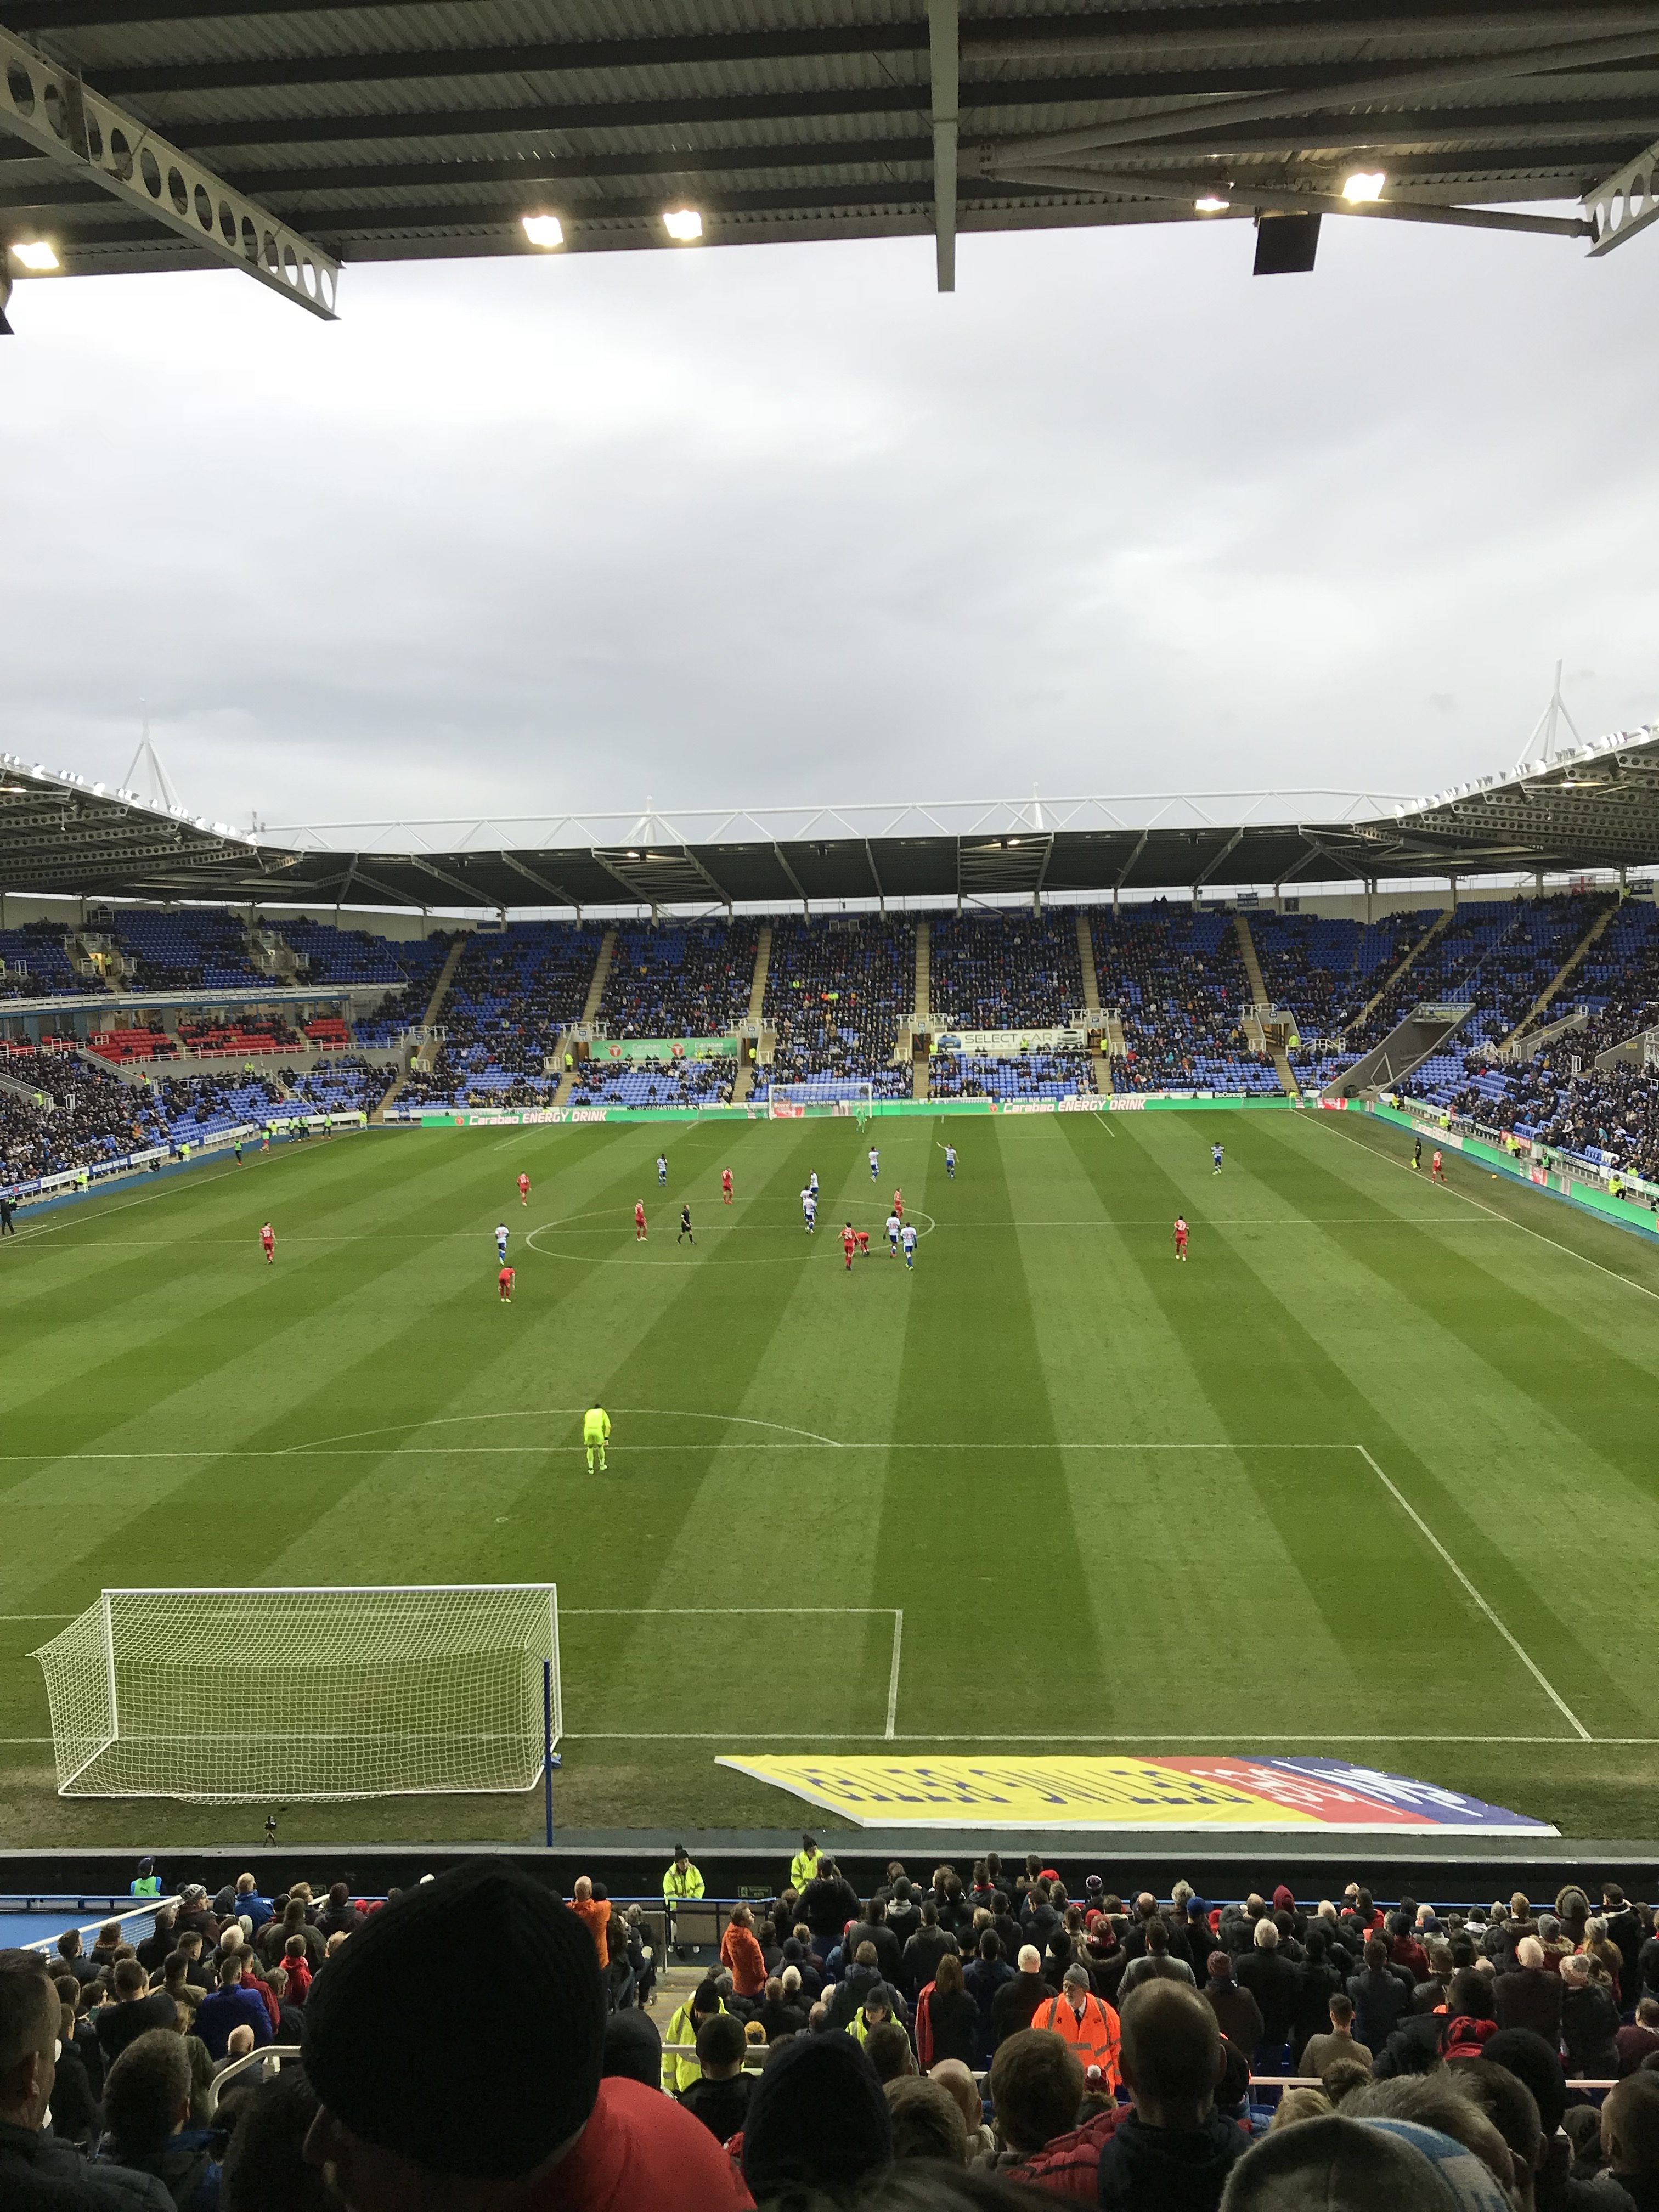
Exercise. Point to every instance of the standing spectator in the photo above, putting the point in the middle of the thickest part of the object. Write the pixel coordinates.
(988, 1974)
(1090, 2027)
(1641, 2040)
(157, 1946)
(39, 2172)
(595, 1913)
(264, 2168)
(1379, 1998)
(742, 1957)
(928, 2122)
(1017, 1999)
(1627, 1927)
(719, 2096)
(339, 1916)
(827, 1904)
(233, 2004)
(73, 1961)
(1322, 2050)
(684, 2025)
(1155, 1962)
(1276, 1984)
(524, 2012)
(1589, 2022)
(903, 1913)
(818, 2119)
(873, 1929)
(779, 2014)
(136, 2010)
(1036, 2086)
(1530, 1995)
(925, 1949)
(290, 2023)
(250, 1905)
(1237, 2014)
(947, 2018)
(297, 1966)
(147, 2123)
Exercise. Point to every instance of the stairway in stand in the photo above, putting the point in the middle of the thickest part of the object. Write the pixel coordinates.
(1100, 1062)
(922, 1024)
(1568, 967)
(590, 1012)
(743, 1082)
(429, 1019)
(1282, 1068)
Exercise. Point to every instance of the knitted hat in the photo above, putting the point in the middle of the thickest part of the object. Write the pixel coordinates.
(633, 2047)
(818, 2116)
(1534, 2060)
(1321, 2165)
(518, 1969)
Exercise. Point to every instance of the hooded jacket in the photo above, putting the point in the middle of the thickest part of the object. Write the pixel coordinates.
(1177, 2169)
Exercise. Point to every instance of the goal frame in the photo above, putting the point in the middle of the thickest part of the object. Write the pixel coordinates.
(104, 1734)
(850, 1096)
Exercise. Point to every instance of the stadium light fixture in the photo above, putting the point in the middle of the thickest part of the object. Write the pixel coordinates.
(1364, 184)
(37, 255)
(1211, 203)
(543, 230)
(682, 224)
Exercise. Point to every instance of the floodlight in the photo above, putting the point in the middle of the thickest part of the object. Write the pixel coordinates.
(1211, 203)
(682, 224)
(34, 254)
(545, 230)
(1364, 184)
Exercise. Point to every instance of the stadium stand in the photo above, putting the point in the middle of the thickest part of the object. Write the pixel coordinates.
(512, 995)
(1003, 971)
(679, 980)
(822, 2039)
(1035, 1074)
(36, 965)
(836, 996)
(1178, 978)
(653, 1082)
(344, 1085)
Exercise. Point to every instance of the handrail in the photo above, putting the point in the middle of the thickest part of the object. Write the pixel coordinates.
(276, 2051)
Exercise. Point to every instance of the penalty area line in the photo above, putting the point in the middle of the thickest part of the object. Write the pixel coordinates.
(1514, 1643)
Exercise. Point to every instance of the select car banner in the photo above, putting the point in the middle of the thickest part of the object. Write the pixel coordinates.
(1106, 1794)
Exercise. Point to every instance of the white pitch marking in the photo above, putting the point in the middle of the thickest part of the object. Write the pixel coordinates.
(893, 1673)
(1520, 1651)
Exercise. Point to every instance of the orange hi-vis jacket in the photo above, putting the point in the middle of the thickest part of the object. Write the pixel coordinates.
(1092, 2033)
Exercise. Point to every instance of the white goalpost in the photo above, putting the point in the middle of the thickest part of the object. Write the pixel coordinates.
(223, 1696)
(841, 1094)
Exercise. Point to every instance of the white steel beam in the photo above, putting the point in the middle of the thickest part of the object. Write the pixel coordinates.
(1623, 203)
(48, 107)
(944, 58)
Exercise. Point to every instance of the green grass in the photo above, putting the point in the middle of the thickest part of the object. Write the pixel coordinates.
(1123, 1503)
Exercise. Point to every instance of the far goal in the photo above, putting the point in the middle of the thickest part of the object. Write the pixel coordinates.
(227, 1696)
(844, 1095)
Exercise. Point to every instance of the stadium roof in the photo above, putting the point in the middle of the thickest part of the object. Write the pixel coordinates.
(1593, 807)
(161, 134)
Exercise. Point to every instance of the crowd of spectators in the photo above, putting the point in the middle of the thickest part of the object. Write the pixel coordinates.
(688, 1082)
(982, 2041)
(512, 992)
(680, 980)
(1176, 977)
(1042, 1073)
(1005, 970)
(835, 995)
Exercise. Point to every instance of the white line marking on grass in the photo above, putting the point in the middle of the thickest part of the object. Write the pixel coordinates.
(558, 1412)
(1629, 1281)
(893, 1671)
(1231, 1739)
(702, 1612)
(37, 1616)
(1521, 1653)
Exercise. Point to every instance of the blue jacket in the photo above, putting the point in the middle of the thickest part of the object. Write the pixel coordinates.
(232, 2007)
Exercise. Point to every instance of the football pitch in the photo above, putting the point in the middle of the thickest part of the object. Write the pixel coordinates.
(1372, 1472)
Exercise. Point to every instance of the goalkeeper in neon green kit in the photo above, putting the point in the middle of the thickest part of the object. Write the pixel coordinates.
(596, 1427)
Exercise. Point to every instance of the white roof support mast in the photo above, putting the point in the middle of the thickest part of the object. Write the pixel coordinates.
(47, 106)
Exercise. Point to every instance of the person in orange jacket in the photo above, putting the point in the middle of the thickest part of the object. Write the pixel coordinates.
(593, 1912)
(741, 1954)
(1084, 2022)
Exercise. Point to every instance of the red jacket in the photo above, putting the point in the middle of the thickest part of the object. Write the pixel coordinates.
(741, 1953)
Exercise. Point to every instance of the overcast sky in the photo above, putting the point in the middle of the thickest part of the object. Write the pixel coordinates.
(782, 523)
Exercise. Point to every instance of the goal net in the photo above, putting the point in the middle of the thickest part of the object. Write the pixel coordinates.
(228, 1695)
(843, 1095)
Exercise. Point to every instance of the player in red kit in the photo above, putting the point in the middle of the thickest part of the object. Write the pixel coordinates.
(849, 1244)
(1180, 1237)
(268, 1239)
(639, 1223)
(523, 1190)
(898, 1203)
(726, 1185)
(1436, 1169)
(505, 1279)
(863, 1238)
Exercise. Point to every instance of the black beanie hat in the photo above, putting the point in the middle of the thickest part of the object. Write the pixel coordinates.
(633, 2047)
(1536, 2063)
(488, 2079)
(817, 2115)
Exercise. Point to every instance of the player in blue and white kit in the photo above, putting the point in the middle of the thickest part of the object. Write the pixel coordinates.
(875, 1163)
(500, 1242)
(1215, 1156)
(809, 1206)
(893, 1235)
(909, 1243)
(812, 1183)
(662, 1171)
(950, 1162)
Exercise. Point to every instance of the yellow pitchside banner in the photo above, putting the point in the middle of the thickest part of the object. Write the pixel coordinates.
(1254, 1792)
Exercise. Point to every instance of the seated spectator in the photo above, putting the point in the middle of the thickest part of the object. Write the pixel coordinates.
(818, 2118)
(234, 2003)
(1173, 2148)
(926, 2121)
(1036, 2086)
(524, 2001)
(147, 2121)
(137, 2009)
(720, 2097)
(40, 2172)
(1321, 2050)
